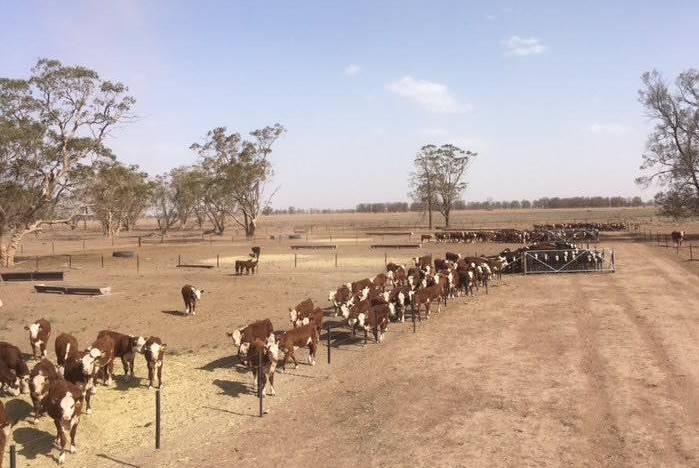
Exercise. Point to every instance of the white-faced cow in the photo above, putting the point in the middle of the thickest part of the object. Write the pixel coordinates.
(73, 373)
(66, 346)
(39, 333)
(153, 351)
(64, 403)
(6, 425)
(269, 351)
(125, 347)
(191, 296)
(375, 319)
(99, 358)
(14, 362)
(40, 378)
(299, 337)
(339, 297)
(242, 337)
(303, 309)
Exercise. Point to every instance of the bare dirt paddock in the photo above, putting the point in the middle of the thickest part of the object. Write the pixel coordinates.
(569, 370)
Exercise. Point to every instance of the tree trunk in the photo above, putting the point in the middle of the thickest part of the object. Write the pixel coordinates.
(8, 247)
(446, 217)
(250, 229)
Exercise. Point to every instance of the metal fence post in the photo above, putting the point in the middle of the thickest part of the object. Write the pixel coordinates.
(13, 456)
(329, 343)
(138, 264)
(295, 261)
(179, 259)
(218, 261)
(157, 418)
(102, 260)
(335, 260)
(260, 389)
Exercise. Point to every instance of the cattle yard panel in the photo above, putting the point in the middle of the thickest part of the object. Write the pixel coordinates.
(562, 261)
(567, 235)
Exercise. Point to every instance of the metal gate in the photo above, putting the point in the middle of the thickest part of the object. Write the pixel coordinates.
(562, 261)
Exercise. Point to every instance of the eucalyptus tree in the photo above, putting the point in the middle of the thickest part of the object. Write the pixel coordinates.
(52, 126)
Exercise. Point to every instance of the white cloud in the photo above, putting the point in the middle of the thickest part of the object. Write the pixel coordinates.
(609, 128)
(524, 46)
(434, 131)
(352, 69)
(435, 97)
(490, 17)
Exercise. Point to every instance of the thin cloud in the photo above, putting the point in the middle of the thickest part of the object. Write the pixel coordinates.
(490, 17)
(435, 97)
(434, 131)
(352, 69)
(524, 46)
(609, 128)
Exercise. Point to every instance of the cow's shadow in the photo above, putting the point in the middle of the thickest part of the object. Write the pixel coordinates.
(123, 382)
(34, 442)
(18, 409)
(176, 313)
(226, 362)
(231, 388)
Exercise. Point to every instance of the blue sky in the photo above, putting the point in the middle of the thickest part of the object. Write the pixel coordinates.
(544, 91)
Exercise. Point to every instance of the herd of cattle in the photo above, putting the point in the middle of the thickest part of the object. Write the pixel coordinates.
(515, 236)
(64, 389)
(558, 256)
(367, 305)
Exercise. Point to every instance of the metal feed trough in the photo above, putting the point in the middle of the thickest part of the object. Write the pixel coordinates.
(530, 262)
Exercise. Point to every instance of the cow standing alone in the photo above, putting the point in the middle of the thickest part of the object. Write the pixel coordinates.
(39, 333)
(191, 296)
(153, 350)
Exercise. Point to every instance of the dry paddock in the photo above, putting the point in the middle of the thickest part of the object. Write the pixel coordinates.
(571, 370)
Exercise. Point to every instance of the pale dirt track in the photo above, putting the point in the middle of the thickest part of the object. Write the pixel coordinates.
(577, 370)
(569, 370)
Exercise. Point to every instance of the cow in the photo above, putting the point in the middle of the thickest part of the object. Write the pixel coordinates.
(6, 425)
(301, 310)
(677, 237)
(14, 362)
(360, 285)
(305, 335)
(73, 372)
(426, 296)
(376, 319)
(9, 380)
(153, 351)
(339, 296)
(39, 333)
(64, 403)
(399, 276)
(99, 358)
(125, 347)
(239, 266)
(250, 265)
(425, 237)
(40, 378)
(424, 262)
(66, 347)
(191, 296)
(242, 337)
(379, 281)
(440, 264)
(315, 316)
(269, 349)
(452, 257)
(256, 252)
(401, 296)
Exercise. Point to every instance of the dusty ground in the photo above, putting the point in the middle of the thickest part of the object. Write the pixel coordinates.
(577, 370)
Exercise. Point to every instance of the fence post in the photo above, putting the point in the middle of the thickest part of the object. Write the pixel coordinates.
(138, 264)
(179, 259)
(139, 241)
(295, 261)
(102, 260)
(157, 417)
(260, 389)
(412, 308)
(385, 258)
(13, 456)
(218, 262)
(336, 260)
(53, 247)
(70, 261)
(691, 257)
(328, 343)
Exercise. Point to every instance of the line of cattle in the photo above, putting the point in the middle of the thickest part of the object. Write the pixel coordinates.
(514, 236)
(61, 390)
(368, 304)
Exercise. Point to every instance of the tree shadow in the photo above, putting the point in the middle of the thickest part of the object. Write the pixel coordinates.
(34, 442)
(230, 388)
(18, 409)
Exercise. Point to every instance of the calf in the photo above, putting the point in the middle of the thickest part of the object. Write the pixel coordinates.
(125, 347)
(301, 310)
(305, 335)
(242, 337)
(66, 348)
(64, 403)
(12, 358)
(153, 351)
(339, 297)
(39, 333)
(6, 426)
(40, 378)
(191, 296)
(269, 351)
(99, 358)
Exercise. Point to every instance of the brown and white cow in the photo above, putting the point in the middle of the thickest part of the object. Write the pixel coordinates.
(66, 346)
(423, 262)
(315, 316)
(64, 403)
(125, 347)
(299, 337)
(375, 319)
(360, 285)
(153, 351)
(191, 296)
(301, 310)
(379, 281)
(242, 337)
(269, 349)
(9, 380)
(99, 358)
(340, 296)
(677, 237)
(73, 373)
(6, 425)
(426, 296)
(14, 361)
(39, 333)
(40, 378)
(401, 296)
